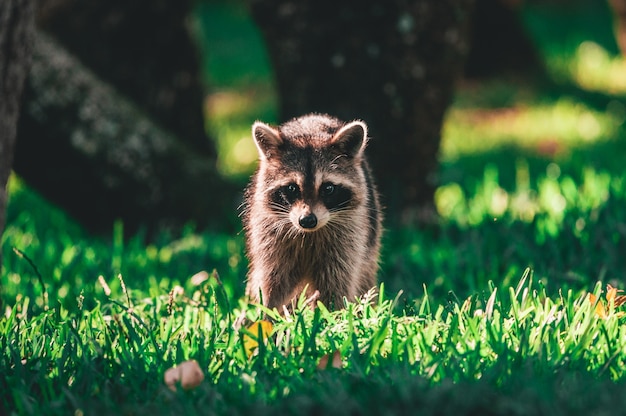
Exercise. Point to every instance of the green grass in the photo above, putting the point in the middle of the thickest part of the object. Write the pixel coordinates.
(110, 359)
(486, 312)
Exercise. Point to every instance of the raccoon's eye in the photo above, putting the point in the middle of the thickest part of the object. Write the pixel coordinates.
(291, 189)
(285, 195)
(290, 192)
(335, 196)
(327, 189)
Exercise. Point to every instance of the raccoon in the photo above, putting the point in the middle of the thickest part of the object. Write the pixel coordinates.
(311, 214)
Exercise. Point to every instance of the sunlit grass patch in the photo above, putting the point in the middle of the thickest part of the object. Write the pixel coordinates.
(555, 195)
(595, 69)
(547, 129)
(591, 67)
(577, 43)
(71, 261)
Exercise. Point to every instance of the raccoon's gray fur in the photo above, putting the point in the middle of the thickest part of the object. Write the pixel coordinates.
(311, 212)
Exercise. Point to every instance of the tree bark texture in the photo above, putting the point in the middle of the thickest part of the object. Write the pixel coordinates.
(16, 35)
(102, 158)
(393, 64)
(143, 48)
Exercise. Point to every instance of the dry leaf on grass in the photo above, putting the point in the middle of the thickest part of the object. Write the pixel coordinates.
(251, 342)
(611, 296)
(602, 310)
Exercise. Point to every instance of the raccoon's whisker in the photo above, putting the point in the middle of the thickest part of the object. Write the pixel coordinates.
(280, 217)
(342, 225)
(342, 214)
(337, 226)
(291, 232)
(278, 208)
(342, 209)
(295, 236)
(288, 235)
(347, 214)
(243, 209)
(344, 203)
(282, 224)
(278, 226)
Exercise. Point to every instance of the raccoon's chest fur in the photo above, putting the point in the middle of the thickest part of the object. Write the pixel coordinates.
(311, 216)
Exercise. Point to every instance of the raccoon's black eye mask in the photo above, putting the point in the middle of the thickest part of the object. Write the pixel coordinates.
(333, 196)
(286, 195)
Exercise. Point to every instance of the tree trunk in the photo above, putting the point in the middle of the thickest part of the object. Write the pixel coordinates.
(16, 34)
(394, 65)
(101, 159)
(144, 49)
(499, 42)
(105, 159)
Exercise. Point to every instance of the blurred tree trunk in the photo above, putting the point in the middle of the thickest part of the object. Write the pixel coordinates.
(114, 129)
(499, 43)
(143, 48)
(16, 34)
(102, 158)
(393, 64)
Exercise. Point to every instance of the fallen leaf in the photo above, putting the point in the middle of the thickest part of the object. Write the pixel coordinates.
(600, 310)
(619, 300)
(611, 296)
(188, 374)
(610, 293)
(251, 340)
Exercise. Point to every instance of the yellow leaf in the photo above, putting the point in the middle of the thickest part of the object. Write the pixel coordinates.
(610, 293)
(251, 340)
(600, 311)
(336, 361)
(611, 296)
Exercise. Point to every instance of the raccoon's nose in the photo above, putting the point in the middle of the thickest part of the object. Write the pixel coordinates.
(308, 221)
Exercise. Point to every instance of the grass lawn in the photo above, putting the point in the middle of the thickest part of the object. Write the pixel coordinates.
(511, 305)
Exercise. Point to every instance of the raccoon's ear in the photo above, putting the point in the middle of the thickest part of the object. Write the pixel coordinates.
(266, 138)
(351, 138)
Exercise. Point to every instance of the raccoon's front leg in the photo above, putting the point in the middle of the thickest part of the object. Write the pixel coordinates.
(283, 286)
(333, 280)
(278, 286)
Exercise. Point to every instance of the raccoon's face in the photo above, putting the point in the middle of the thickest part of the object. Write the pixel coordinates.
(312, 178)
(310, 209)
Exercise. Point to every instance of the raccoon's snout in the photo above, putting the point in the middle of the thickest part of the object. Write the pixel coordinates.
(308, 221)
